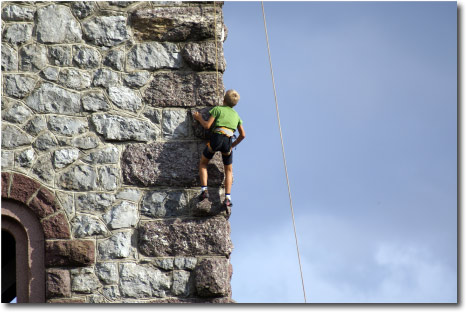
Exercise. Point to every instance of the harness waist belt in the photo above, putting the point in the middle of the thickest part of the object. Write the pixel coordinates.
(225, 131)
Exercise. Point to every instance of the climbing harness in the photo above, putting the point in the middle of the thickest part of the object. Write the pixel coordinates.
(225, 131)
(283, 152)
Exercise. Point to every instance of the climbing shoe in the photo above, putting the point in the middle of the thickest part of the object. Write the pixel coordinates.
(228, 204)
(203, 195)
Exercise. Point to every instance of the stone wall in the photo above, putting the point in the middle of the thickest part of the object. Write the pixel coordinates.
(96, 114)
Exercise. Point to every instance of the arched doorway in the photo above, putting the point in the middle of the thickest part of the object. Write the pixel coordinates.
(8, 267)
(22, 254)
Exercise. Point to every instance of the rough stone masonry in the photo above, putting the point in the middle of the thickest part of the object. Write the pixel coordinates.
(96, 107)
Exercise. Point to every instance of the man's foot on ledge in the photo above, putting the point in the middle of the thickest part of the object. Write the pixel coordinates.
(228, 204)
(204, 195)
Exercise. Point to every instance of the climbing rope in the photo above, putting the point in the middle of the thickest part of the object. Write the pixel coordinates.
(283, 151)
(216, 49)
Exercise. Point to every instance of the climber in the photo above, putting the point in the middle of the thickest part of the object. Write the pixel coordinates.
(225, 120)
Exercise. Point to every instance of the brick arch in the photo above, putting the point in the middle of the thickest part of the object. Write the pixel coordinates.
(40, 200)
(28, 196)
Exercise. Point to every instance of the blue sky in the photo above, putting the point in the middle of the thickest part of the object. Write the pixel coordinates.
(368, 102)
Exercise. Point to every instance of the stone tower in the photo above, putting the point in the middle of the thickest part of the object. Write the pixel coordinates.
(100, 152)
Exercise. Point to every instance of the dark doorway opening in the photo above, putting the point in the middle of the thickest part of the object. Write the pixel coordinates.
(8, 267)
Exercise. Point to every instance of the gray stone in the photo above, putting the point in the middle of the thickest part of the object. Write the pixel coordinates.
(59, 55)
(18, 33)
(201, 56)
(17, 13)
(85, 226)
(26, 158)
(85, 141)
(107, 272)
(7, 102)
(114, 127)
(168, 164)
(43, 168)
(64, 157)
(129, 194)
(18, 113)
(75, 79)
(181, 286)
(78, 178)
(96, 299)
(115, 59)
(185, 263)
(175, 23)
(106, 30)
(92, 202)
(122, 215)
(84, 281)
(121, 4)
(111, 292)
(138, 281)
(82, 9)
(158, 204)
(9, 58)
(95, 101)
(154, 114)
(33, 57)
(45, 141)
(49, 98)
(108, 178)
(185, 237)
(124, 98)
(86, 57)
(212, 277)
(105, 78)
(36, 125)
(69, 126)
(50, 73)
(18, 85)
(67, 202)
(116, 247)
(164, 263)
(56, 24)
(184, 89)
(107, 155)
(136, 79)
(176, 124)
(8, 159)
(154, 55)
(13, 137)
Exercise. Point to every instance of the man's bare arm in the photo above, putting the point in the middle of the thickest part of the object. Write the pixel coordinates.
(204, 123)
(242, 136)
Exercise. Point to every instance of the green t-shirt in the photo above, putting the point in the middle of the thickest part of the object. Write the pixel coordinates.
(225, 116)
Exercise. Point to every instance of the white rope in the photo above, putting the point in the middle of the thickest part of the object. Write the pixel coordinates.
(283, 153)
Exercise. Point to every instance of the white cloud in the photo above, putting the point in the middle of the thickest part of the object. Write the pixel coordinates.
(342, 262)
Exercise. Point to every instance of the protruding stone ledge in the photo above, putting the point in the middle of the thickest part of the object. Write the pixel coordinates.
(168, 164)
(186, 237)
(175, 23)
(76, 253)
(213, 277)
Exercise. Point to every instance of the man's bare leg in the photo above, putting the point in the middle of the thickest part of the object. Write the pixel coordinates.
(228, 178)
(203, 175)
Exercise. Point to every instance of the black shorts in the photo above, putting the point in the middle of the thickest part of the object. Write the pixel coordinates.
(219, 143)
